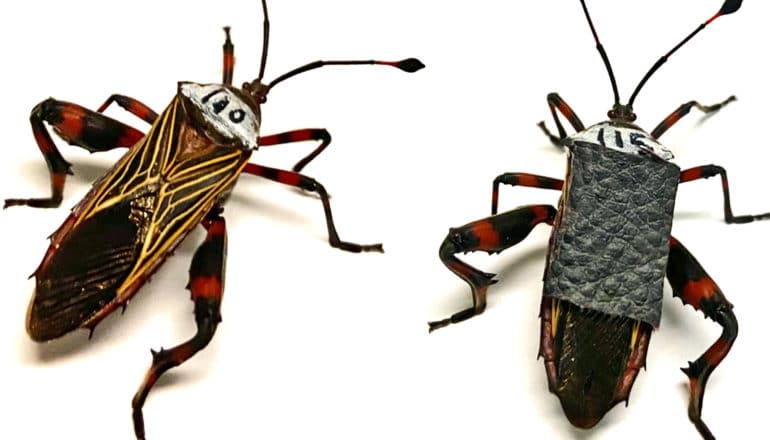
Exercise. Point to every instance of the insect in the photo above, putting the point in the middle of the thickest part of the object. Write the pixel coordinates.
(176, 176)
(609, 252)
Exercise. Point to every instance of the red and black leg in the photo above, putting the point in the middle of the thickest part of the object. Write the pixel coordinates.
(492, 234)
(309, 184)
(131, 105)
(706, 171)
(556, 103)
(693, 285)
(206, 286)
(523, 179)
(682, 111)
(78, 126)
(306, 134)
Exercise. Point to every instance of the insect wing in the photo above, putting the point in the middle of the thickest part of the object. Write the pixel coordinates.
(129, 222)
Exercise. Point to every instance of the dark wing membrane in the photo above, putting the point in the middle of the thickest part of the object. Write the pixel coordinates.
(592, 350)
(82, 275)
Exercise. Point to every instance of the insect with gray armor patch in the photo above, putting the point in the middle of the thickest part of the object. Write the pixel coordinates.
(609, 252)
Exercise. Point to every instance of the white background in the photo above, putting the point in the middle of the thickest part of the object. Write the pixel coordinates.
(318, 343)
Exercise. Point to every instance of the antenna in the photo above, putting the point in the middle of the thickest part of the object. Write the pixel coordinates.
(265, 41)
(228, 60)
(410, 65)
(728, 7)
(603, 54)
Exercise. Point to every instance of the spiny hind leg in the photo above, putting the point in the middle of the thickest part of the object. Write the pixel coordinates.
(694, 286)
(492, 234)
(206, 287)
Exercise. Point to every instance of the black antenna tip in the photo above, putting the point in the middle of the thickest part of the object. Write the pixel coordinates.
(410, 65)
(730, 6)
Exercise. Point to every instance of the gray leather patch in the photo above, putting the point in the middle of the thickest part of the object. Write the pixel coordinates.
(610, 243)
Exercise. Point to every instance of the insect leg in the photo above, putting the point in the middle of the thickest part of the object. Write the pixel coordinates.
(492, 234)
(556, 103)
(307, 134)
(706, 171)
(693, 285)
(301, 181)
(523, 179)
(131, 105)
(206, 286)
(78, 126)
(682, 111)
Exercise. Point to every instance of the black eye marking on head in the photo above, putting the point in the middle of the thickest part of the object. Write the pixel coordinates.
(220, 105)
(237, 115)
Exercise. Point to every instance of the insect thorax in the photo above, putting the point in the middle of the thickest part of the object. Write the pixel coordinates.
(228, 116)
(623, 137)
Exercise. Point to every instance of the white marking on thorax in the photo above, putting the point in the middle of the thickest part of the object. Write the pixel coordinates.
(227, 113)
(625, 139)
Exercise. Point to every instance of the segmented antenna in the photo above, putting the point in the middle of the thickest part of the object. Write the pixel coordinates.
(728, 7)
(265, 40)
(228, 61)
(259, 90)
(408, 65)
(603, 54)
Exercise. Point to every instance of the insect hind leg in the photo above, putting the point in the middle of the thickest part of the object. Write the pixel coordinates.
(694, 286)
(78, 126)
(492, 234)
(206, 288)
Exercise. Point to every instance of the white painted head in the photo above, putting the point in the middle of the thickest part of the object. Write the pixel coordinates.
(224, 111)
(625, 138)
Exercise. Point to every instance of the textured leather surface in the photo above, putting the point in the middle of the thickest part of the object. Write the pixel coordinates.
(610, 244)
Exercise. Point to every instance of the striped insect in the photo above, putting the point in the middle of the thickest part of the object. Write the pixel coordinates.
(176, 176)
(609, 252)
